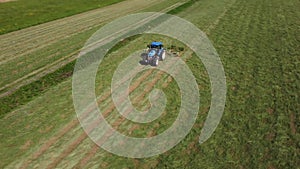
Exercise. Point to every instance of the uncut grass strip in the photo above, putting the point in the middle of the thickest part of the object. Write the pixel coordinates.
(183, 6)
(33, 76)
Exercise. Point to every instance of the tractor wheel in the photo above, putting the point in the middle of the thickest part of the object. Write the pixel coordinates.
(145, 60)
(155, 62)
(163, 56)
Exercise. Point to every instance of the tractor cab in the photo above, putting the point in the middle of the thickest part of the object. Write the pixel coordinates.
(155, 45)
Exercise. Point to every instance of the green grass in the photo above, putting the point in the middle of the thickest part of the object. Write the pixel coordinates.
(258, 44)
(20, 14)
(182, 7)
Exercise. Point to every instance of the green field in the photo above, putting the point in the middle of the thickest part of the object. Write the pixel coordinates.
(258, 43)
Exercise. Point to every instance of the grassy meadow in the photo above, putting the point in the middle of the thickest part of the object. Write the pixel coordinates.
(258, 43)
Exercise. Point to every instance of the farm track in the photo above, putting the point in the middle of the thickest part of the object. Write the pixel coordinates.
(36, 74)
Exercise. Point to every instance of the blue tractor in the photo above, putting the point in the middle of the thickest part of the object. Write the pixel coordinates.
(155, 52)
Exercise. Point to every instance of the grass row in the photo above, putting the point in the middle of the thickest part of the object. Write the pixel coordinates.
(20, 14)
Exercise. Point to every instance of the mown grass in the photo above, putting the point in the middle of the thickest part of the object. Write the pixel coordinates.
(20, 14)
(257, 42)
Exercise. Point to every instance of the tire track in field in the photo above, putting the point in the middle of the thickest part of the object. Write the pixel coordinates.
(68, 58)
(216, 22)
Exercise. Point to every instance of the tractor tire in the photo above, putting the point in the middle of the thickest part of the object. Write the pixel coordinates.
(163, 56)
(155, 62)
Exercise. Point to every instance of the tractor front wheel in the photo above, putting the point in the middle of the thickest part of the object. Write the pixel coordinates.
(155, 62)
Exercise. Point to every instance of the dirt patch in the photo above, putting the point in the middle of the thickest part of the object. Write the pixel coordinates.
(135, 127)
(270, 136)
(26, 145)
(270, 111)
(45, 130)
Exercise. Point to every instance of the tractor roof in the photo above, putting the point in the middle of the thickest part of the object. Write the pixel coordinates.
(156, 43)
